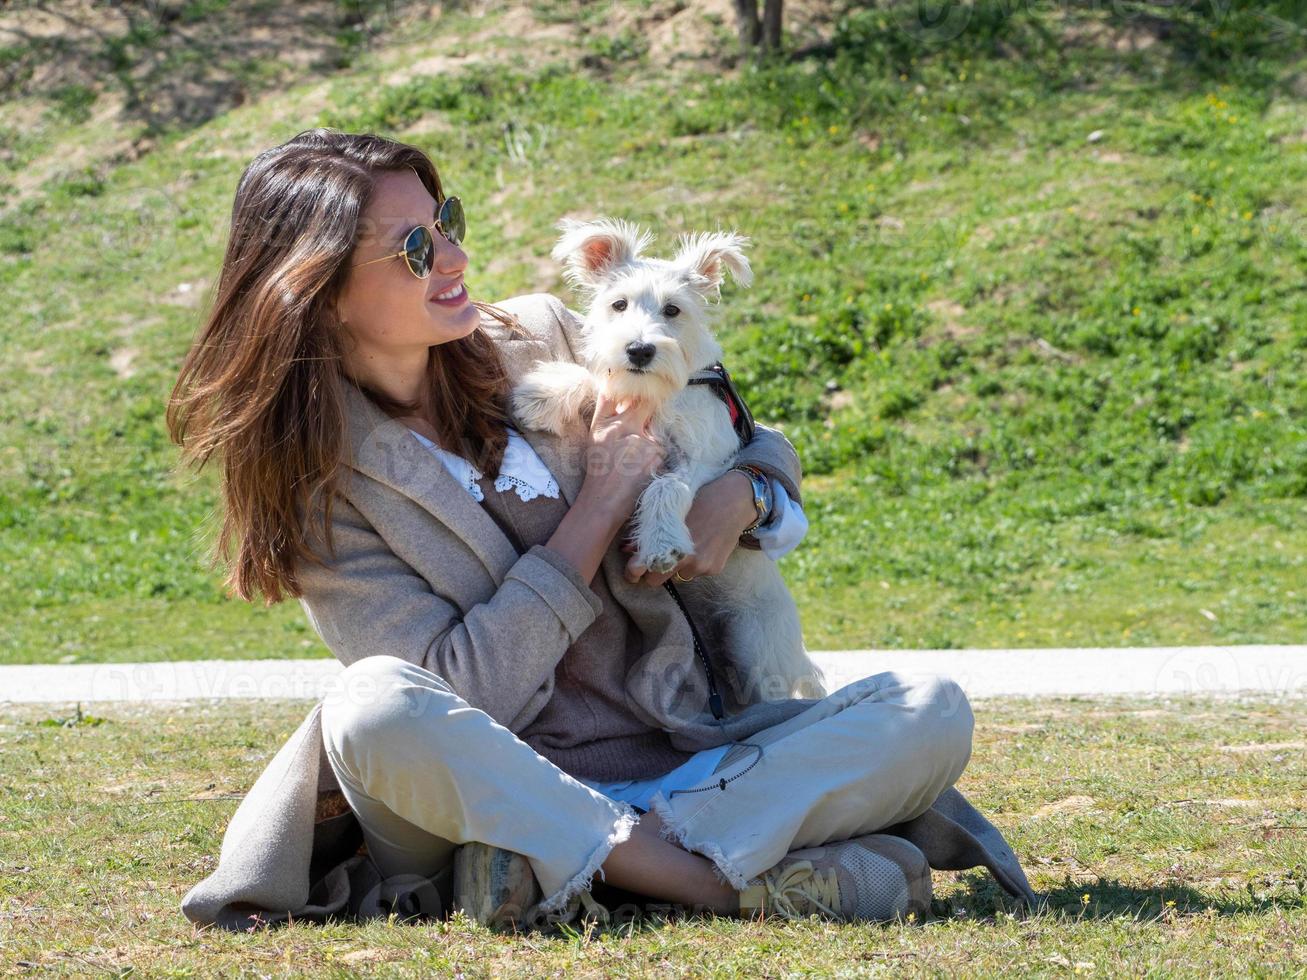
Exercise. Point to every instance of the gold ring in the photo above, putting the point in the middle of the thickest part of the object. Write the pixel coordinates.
(679, 579)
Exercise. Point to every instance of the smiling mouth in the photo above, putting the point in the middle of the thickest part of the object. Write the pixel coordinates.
(454, 292)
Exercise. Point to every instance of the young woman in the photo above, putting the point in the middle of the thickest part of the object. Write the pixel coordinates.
(511, 678)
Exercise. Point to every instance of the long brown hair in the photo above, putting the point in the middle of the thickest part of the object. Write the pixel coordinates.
(262, 383)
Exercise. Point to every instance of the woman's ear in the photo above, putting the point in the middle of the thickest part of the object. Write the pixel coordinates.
(704, 258)
(591, 250)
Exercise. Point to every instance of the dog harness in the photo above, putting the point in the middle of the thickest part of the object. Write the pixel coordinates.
(716, 376)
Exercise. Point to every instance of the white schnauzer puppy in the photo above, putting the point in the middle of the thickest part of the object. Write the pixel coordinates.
(645, 333)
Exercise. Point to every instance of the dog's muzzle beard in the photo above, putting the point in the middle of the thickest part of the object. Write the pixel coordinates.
(648, 382)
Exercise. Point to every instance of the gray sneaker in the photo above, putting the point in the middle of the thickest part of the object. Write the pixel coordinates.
(873, 878)
(494, 887)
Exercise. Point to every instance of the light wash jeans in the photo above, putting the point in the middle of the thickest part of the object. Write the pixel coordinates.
(424, 771)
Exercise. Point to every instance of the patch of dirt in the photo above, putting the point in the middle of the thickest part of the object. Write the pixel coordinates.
(1017, 729)
(688, 34)
(33, 361)
(521, 22)
(1070, 804)
(188, 294)
(948, 324)
(1263, 747)
(166, 67)
(949, 312)
(121, 361)
(82, 43)
(150, 67)
(445, 51)
(841, 399)
(919, 186)
(436, 64)
(109, 145)
(370, 956)
(1118, 34)
(1232, 803)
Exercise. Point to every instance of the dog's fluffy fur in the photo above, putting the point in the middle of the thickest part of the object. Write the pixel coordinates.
(646, 332)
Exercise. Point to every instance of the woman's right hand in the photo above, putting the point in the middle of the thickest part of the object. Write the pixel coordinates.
(622, 455)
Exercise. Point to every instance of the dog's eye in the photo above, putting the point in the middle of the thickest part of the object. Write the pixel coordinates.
(619, 305)
(671, 310)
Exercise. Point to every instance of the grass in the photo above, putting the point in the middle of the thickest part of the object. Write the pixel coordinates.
(1167, 836)
(1028, 303)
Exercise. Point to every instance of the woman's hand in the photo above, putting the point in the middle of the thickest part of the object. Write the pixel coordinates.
(722, 509)
(622, 455)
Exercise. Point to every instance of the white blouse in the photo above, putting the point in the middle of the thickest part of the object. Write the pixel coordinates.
(521, 470)
(525, 473)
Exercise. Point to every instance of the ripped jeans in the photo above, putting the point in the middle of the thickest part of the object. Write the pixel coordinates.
(424, 772)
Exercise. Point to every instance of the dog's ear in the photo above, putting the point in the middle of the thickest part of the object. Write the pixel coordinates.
(591, 250)
(705, 258)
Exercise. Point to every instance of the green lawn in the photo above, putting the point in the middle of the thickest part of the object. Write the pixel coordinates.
(1028, 301)
(1167, 836)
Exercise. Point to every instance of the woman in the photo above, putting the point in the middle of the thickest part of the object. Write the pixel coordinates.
(511, 679)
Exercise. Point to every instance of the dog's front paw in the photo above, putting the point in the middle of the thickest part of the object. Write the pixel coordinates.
(664, 562)
(661, 552)
(552, 397)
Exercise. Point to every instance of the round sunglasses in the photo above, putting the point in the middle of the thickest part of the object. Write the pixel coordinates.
(419, 249)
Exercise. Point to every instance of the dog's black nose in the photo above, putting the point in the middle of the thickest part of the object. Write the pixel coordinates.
(640, 352)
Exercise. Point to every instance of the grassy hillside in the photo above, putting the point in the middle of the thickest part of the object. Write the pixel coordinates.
(1029, 288)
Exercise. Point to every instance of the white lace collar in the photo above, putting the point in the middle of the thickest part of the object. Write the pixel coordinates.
(521, 470)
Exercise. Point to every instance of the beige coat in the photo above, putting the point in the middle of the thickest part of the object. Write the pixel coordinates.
(423, 573)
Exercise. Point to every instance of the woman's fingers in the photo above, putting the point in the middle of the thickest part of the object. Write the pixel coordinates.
(603, 405)
(639, 412)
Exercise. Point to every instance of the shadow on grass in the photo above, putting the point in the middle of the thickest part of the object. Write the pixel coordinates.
(1107, 898)
(1160, 45)
(176, 64)
(982, 898)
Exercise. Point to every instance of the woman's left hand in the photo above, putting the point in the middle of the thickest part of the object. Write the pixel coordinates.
(722, 509)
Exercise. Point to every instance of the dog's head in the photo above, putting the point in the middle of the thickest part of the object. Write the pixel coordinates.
(647, 321)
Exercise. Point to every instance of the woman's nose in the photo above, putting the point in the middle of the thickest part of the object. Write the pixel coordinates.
(450, 258)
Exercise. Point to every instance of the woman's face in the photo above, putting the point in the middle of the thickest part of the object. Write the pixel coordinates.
(390, 313)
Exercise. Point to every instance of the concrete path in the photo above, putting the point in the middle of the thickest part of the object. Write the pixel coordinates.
(1279, 671)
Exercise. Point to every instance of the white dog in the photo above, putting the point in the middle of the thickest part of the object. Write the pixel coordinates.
(646, 332)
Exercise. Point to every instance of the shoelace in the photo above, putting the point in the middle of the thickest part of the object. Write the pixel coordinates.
(811, 887)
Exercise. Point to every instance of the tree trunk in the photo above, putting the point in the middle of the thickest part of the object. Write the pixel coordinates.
(746, 21)
(771, 24)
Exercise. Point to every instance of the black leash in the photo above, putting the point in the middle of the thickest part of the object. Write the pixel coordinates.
(714, 701)
(714, 698)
